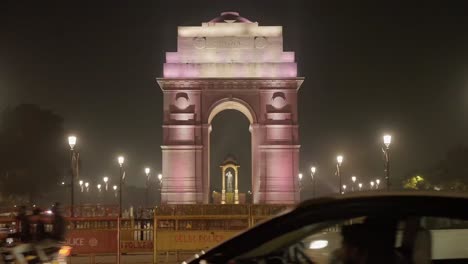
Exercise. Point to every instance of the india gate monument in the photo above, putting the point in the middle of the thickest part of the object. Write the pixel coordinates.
(230, 62)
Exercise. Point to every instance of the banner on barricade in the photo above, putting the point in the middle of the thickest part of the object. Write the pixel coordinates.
(131, 246)
(92, 241)
(190, 240)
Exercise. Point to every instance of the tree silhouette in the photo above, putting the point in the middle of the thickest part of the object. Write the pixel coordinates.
(449, 174)
(32, 156)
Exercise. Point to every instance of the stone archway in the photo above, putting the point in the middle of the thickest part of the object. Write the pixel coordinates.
(230, 64)
(218, 107)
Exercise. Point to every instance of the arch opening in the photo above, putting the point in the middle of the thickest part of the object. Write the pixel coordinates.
(232, 104)
(230, 137)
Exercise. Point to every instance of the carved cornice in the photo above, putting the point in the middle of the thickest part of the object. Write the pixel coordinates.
(167, 84)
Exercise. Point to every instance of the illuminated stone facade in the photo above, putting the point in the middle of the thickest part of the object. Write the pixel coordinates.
(230, 63)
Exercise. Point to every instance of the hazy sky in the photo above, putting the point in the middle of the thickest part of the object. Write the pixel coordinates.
(369, 69)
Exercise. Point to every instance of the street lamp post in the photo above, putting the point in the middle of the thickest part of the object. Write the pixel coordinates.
(147, 172)
(160, 179)
(353, 178)
(81, 185)
(121, 160)
(87, 186)
(360, 186)
(72, 143)
(115, 190)
(312, 174)
(377, 182)
(300, 184)
(344, 188)
(339, 160)
(372, 185)
(387, 141)
(105, 179)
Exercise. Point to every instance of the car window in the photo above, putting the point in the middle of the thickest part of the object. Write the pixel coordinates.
(408, 240)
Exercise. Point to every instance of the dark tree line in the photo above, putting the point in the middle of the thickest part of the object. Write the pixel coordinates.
(449, 174)
(33, 156)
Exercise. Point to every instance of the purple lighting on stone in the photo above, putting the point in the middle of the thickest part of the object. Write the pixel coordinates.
(230, 63)
(230, 46)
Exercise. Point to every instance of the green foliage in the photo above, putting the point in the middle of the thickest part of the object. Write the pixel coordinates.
(31, 150)
(449, 174)
(416, 183)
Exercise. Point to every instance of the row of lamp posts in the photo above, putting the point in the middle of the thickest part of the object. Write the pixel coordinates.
(74, 174)
(387, 139)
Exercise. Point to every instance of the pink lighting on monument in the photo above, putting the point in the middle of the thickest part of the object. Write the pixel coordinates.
(221, 49)
(237, 70)
(230, 63)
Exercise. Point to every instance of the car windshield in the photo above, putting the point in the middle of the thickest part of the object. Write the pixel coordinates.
(370, 239)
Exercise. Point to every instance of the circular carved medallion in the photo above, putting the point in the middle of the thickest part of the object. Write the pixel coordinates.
(278, 102)
(260, 42)
(199, 42)
(182, 102)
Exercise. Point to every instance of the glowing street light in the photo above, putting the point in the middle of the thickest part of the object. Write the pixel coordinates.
(81, 185)
(377, 183)
(360, 186)
(99, 187)
(344, 188)
(387, 139)
(339, 161)
(372, 184)
(105, 179)
(121, 160)
(72, 142)
(312, 174)
(115, 190)
(87, 186)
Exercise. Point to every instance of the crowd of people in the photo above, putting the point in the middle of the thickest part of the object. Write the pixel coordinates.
(32, 233)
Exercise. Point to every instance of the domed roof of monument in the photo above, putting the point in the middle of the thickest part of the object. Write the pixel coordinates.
(230, 159)
(230, 17)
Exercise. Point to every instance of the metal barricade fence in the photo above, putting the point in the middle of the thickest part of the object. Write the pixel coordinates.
(192, 228)
(175, 229)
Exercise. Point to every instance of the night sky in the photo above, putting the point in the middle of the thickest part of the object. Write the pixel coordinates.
(400, 68)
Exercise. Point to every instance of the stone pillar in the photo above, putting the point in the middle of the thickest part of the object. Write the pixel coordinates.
(223, 191)
(206, 130)
(181, 172)
(236, 190)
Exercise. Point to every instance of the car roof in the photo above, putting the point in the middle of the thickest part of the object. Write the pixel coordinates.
(384, 204)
